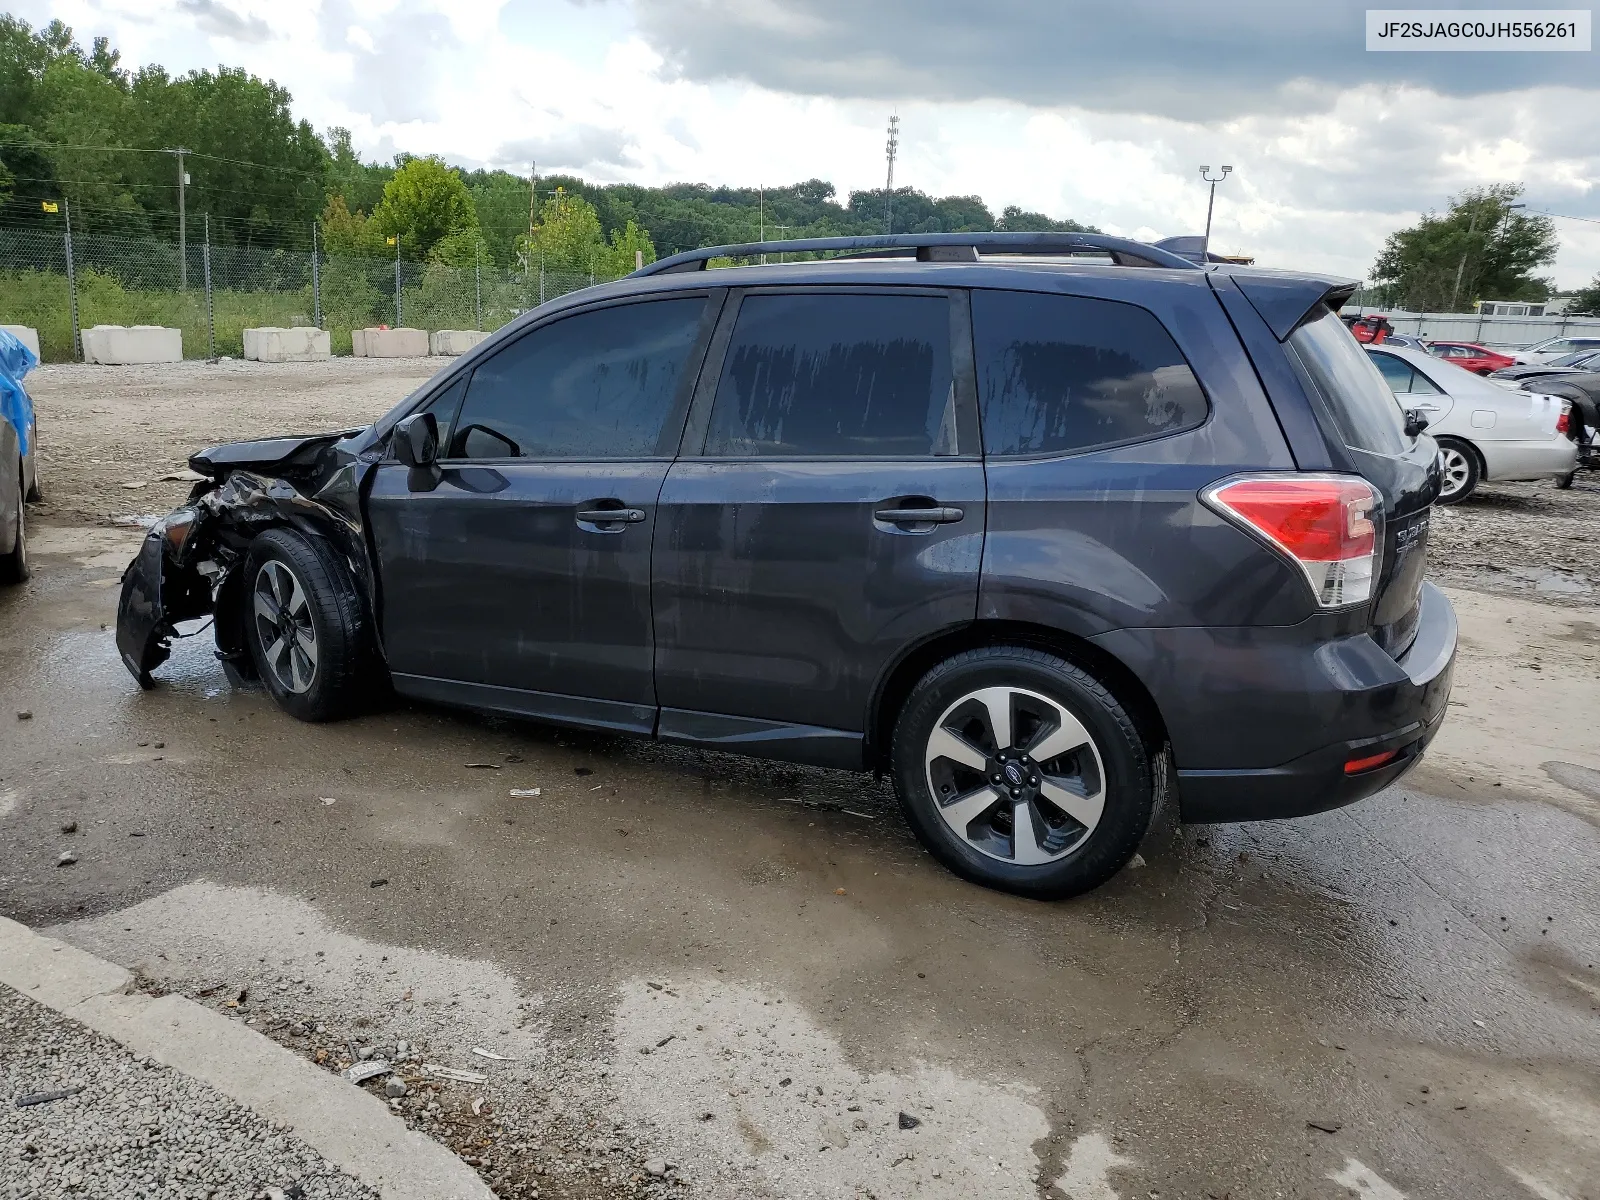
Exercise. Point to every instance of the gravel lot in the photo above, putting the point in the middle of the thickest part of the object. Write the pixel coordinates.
(134, 1128)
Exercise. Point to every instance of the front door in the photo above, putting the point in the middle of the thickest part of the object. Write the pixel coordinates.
(522, 581)
(832, 517)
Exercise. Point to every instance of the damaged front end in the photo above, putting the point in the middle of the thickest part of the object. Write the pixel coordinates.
(188, 565)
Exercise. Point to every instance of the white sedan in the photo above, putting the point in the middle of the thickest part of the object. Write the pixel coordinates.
(1484, 431)
(1554, 348)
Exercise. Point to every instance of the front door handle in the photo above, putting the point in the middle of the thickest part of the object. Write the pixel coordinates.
(937, 515)
(609, 520)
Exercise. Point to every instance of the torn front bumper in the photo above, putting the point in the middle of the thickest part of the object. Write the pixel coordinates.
(159, 588)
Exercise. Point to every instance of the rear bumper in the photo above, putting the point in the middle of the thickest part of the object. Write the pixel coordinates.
(1304, 708)
(1538, 458)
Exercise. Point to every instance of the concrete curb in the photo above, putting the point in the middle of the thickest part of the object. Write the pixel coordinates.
(343, 1123)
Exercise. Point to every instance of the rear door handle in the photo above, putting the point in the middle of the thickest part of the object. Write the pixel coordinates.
(938, 515)
(610, 516)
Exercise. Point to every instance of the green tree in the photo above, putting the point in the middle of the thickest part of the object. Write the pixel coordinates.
(1482, 248)
(567, 236)
(501, 200)
(627, 244)
(422, 204)
(1586, 301)
(346, 232)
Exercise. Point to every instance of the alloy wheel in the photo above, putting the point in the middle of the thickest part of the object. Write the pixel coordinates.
(283, 623)
(1456, 469)
(1015, 775)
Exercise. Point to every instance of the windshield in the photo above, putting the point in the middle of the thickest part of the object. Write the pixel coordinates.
(1576, 359)
(1363, 406)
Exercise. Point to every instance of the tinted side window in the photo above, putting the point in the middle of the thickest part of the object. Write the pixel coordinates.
(1058, 374)
(598, 384)
(445, 405)
(839, 376)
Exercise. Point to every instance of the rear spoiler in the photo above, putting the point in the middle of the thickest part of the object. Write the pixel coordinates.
(1287, 300)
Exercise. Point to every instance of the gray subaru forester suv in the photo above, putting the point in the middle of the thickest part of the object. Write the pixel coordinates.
(1031, 522)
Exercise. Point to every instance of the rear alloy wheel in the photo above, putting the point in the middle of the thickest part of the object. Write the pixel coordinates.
(1461, 472)
(1021, 771)
(14, 563)
(306, 627)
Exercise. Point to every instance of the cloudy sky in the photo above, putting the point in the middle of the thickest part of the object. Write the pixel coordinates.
(1101, 112)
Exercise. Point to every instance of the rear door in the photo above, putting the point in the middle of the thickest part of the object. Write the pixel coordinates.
(522, 581)
(826, 513)
(1365, 415)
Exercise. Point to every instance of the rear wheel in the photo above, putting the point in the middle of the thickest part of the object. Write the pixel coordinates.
(1565, 481)
(1461, 470)
(14, 563)
(1021, 771)
(305, 626)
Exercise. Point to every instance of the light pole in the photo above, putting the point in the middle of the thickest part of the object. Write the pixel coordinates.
(1205, 174)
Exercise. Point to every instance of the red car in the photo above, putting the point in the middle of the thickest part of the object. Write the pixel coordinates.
(1480, 360)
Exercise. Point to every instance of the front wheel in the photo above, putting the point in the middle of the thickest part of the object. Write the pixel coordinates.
(306, 627)
(1023, 772)
(1565, 481)
(1461, 470)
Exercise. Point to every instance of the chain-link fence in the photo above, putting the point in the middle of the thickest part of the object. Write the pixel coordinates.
(62, 283)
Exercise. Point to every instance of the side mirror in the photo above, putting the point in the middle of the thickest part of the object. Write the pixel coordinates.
(415, 442)
(1416, 422)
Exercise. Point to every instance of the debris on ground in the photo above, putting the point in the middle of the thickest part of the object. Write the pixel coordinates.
(362, 1071)
(489, 1054)
(67, 859)
(70, 827)
(483, 766)
(907, 1121)
(36, 1098)
(1325, 1125)
(439, 1072)
(525, 791)
(25, 715)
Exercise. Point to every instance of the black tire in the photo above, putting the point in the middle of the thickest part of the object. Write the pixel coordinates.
(339, 680)
(14, 562)
(1084, 855)
(1463, 470)
(1565, 481)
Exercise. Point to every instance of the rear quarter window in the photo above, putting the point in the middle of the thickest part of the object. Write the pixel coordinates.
(1363, 407)
(1065, 374)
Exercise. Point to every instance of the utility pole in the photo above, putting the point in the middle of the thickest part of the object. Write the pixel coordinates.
(72, 280)
(183, 233)
(1205, 174)
(893, 150)
(761, 215)
(533, 205)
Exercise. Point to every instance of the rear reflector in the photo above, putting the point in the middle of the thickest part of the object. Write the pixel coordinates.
(1357, 765)
(1324, 523)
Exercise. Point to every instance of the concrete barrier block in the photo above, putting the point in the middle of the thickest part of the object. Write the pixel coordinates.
(29, 337)
(299, 344)
(389, 343)
(128, 345)
(454, 341)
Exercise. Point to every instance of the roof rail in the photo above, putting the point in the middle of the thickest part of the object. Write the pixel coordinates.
(935, 247)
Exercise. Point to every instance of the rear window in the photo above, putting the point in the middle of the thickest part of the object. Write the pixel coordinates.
(837, 375)
(1059, 374)
(1363, 407)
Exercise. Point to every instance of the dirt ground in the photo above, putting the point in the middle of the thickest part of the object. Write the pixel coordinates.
(680, 973)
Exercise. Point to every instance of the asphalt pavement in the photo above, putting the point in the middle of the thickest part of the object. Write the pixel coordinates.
(678, 973)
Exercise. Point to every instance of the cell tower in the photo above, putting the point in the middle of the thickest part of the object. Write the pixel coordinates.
(892, 149)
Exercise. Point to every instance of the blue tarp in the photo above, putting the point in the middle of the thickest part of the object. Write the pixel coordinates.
(16, 360)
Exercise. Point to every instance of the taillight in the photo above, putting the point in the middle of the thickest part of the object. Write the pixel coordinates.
(1564, 421)
(1322, 522)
